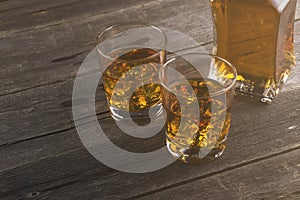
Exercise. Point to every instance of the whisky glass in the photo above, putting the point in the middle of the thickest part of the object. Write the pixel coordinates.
(131, 55)
(197, 93)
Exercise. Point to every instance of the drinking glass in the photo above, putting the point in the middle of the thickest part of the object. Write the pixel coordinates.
(131, 56)
(197, 95)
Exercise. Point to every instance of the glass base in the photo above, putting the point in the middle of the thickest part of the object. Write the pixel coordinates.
(197, 155)
(262, 89)
(121, 114)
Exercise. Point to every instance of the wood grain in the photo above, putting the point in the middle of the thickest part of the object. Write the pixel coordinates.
(32, 81)
(69, 161)
(38, 14)
(274, 178)
(42, 45)
(34, 50)
(51, 79)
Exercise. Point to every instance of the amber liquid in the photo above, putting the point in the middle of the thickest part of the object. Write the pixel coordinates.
(199, 136)
(257, 37)
(131, 80)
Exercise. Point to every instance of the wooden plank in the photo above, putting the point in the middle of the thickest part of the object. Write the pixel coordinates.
(36, 14)
(55, 87)
(39, 44)
(59, 117)
(62, 38)
(40, 111)
(274, 178)
(52, 101)
(33, 166)
(7, 5)
(36, 63)
(15, 7)
(276, 131)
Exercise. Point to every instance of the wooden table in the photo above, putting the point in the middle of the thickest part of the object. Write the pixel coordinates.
(42, 45)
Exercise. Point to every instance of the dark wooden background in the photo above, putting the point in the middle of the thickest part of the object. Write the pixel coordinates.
(43, 43)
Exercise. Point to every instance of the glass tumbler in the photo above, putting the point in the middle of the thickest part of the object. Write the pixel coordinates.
(131, 56)
(197, 95)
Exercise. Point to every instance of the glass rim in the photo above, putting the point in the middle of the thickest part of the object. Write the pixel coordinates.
(224, 90)
(162, 48)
